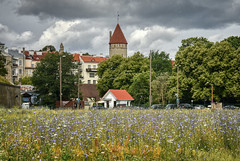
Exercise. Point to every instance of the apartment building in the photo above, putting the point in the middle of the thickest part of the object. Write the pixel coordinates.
(88, 69)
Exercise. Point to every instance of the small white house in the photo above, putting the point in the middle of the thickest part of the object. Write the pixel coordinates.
(117, 98)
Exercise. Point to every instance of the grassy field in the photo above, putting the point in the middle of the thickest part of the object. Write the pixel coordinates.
(120, 135)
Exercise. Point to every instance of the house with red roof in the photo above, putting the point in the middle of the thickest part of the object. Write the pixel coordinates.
(89, 66)
(117, 43)
(117, 98)
(88, 76)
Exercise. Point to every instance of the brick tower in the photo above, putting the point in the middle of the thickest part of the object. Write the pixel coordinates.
(117, 43)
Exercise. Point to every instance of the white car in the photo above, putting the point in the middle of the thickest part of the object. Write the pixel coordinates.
(26, 105)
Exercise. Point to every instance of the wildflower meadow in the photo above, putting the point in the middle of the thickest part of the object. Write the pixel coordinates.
(42, 134)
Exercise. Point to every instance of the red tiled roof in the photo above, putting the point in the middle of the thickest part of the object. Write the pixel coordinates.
(76, 57)
(121, 94)
(173, 62)
(118, 36)
(92, 59)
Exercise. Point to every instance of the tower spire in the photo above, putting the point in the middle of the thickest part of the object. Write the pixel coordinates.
(118, 17)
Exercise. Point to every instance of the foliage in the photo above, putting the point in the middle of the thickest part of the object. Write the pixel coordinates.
(139, 89)
(107, 72)
(119, 135)
(118, 72)
(202, 63)
(159, 88)
(46, 78)
(26, 80)
(161, 63)
(234, 41)
(3, 70)
(3, 80)
(50, 47)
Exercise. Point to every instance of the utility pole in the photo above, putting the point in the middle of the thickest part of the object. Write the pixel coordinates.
(150, 91)
(60, 73)
(78, 101)
(212, 92)
(178, 86)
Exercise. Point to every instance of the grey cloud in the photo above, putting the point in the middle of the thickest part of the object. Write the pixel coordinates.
(170, 13)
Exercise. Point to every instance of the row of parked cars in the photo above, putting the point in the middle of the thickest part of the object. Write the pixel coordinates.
(174, 106)
(189, 106)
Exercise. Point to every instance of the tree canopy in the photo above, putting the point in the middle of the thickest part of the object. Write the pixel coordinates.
(161, 63)
(46, 78)
(203, 63)
(26, 80)
(122, 73)
(50, 47)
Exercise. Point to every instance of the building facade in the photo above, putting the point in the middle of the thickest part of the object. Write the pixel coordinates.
(18, 65)
(88, 68)
(117, 43)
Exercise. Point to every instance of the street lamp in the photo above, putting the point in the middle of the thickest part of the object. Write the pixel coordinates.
(150, 79)
(211, 92)
(178, 84)
(78, 101)
(60, 74)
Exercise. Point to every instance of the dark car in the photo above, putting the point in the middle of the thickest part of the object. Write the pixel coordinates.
(171, 106)
(98, 107)
(185, 106)
(232, 107)
(157, 106)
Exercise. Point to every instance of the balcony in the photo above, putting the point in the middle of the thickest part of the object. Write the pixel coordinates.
(15, 65)
(91, 69)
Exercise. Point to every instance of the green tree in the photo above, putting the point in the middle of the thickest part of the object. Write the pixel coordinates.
(139, 89)
(50, 47)
(159, 88)
(234, 41)
(161, 63)
(118, 72)
(26, 80)
(46, 78)
(3, 70)
(204, 63)
(128, 69)
(107, 72)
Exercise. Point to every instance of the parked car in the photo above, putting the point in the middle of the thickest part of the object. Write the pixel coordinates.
(26, 105)
(171, 106)
(199, 107)
(157, 106)
(185, 106)
(232, 107)
(98, 107)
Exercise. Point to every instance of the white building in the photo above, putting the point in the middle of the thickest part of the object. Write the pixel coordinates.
(89, 65)
(117, 98)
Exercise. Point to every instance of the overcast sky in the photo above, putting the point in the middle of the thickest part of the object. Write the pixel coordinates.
(84, 25)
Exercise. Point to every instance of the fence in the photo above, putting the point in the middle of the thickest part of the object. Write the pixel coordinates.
(9, 95)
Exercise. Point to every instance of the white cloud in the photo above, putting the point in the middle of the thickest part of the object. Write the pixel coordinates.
(13, 38)
(151, 38)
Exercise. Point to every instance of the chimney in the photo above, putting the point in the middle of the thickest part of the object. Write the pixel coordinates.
(110, 34)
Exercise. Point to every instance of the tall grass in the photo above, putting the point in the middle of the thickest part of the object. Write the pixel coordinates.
(119, 135)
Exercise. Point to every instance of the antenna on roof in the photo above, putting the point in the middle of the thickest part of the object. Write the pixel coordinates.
(118, 17)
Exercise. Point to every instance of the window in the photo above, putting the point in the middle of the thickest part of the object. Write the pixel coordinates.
(94, 82)
(32, 65)
(20, 71)
(89, 81)
(94, 66)
(20, 62)
(91, 75)
(89, 66)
